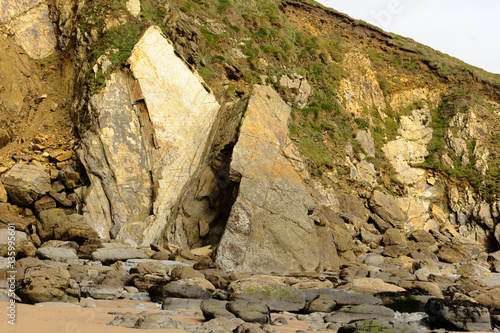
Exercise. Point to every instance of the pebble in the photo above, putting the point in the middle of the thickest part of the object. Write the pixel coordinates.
(143, 307)
(90, 305)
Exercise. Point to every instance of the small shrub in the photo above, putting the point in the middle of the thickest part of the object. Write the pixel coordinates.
(362, 124)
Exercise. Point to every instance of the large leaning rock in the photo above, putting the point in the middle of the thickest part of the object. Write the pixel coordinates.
(26, 183)
(269, 229)
(182, 112)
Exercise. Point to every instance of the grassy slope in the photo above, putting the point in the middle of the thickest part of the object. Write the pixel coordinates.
(281, 38)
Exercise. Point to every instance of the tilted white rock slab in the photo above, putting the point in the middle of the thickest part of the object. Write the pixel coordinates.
(182, 113)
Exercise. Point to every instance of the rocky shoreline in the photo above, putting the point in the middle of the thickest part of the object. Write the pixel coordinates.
(397, 281)
(377, 290)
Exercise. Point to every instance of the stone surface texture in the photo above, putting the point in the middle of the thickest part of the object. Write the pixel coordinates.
(25, 183)
(182, 112)
(269, 228)
(117, 160)
(29, 21)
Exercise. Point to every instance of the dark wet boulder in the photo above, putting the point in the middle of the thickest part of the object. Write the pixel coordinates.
(458, 315)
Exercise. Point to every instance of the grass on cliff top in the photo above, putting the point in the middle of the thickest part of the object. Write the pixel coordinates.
(117, 41)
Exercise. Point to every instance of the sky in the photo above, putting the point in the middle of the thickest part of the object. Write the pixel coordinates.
(465, 29)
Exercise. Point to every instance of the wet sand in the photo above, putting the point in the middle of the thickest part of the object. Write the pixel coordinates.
(59, 319)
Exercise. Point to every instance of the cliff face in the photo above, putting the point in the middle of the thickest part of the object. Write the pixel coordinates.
(279, 132)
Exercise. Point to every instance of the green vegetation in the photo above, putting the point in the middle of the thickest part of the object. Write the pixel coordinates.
(274, 44)
(452, 104)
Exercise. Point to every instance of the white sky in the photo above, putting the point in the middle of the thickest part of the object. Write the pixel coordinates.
(465, 29)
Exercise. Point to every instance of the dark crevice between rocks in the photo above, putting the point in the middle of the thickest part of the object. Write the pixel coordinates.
(227, 184)
(200, 217)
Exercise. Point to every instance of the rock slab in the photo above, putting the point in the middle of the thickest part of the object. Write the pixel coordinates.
(181, 112)
(269, 229)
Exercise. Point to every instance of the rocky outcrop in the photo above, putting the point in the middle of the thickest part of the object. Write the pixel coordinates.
(116, 161)
(270, 228)
(182, 111)
(153, 130)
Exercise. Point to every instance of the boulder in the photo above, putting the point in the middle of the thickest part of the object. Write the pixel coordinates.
(56, 224)
(350, 273)
(25, 183)
(212, 308)
(385, 206)
(69, 177)
(101, 291)
(350, 313)
(218, 278)
(62, 198)
(184, 272)
(394, 236)
(25, 248)
(322, 303)
(452, 253)
(494, 260)
(115, 277)
(79, 232)
(146, 320)
(425, 286)
(151, 267)
(61, 244)
(376, 325)
(373, 286)
(3, 193)
(57, 254)
(145, 281)
(20, 223)
(489, 298)
(21, 247)
(44, 203)
(458, 315)
(313, 285)
(111, 255)
(201, 282)
(172, 303)
(182, 111)
(249, 327)
(404, 301)
(44, 284)
(342, 297)
(222, 325)
(251, 312)
(33, 30)
(159, 292)
(277, 297)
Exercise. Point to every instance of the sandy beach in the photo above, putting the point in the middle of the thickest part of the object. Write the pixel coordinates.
(60, 319)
